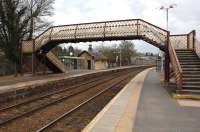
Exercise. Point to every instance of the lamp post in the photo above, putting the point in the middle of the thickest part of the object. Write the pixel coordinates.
(120, 56)
(167, 25)
(167, 13)
(34, 20)
(33, 47)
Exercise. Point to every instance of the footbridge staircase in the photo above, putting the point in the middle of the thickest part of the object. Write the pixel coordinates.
(178, 48)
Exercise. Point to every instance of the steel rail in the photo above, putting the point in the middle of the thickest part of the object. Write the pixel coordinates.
(80, 105)
(52, 93)
(47, 95)
(52, 102)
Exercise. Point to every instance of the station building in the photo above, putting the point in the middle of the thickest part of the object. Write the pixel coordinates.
(94, 60)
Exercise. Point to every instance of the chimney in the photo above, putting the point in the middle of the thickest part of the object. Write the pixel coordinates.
(90, 48)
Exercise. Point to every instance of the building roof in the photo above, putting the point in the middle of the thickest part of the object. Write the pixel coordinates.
(84, 52)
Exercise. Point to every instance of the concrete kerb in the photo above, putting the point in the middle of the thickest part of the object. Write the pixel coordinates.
(125, 119)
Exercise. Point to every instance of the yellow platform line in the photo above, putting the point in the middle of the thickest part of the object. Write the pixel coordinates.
(184, 96)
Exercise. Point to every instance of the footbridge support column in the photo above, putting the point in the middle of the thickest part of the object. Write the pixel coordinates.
(167, 67)
(167, 60)
(33, 58)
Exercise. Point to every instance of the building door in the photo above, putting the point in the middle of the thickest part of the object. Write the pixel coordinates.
(75, 63)
(89, 64)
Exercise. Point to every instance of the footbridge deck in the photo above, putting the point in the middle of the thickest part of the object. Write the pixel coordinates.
(99, 31)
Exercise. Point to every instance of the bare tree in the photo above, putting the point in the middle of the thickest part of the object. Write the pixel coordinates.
(38, 9)
(126, 48)
(17, 23)
(127, 51)
(109, 52)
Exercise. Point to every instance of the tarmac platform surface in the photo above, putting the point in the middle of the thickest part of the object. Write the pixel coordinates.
(9, 80)
(146, 106)
(159, 112)
(10, 83)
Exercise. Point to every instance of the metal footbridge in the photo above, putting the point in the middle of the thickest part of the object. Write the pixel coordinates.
(131, 29)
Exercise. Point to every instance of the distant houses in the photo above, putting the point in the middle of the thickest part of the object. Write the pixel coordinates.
(145, 59)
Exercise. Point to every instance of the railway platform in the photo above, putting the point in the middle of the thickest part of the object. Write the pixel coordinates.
(12, 87)
(8, 83)
(144, 105)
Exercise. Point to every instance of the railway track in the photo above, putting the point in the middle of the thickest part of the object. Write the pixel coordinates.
(32, 108)
(21, 101)
(4, 108)
(52, 123)
(27, 107)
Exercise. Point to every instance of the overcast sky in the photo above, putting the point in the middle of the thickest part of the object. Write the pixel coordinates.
(182, 19)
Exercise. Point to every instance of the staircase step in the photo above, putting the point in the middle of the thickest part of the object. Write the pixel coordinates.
(189, 92)
(191, 87)
(191, 69)
(183, 54)
(191, 76)
(191, 60)
(191, 72)
(184, 50)
(190, 66)
(186, 53)
(190, 63)
(191, 79)
(192, 83)
(187, 57)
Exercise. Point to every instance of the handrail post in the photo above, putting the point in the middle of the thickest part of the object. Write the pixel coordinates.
(180, 82)
(188, 42)
(137, 24)
(167, 60)
(51, 33)
(194, 40)
(33, 57)
(75, 33)
(21, 57)
(104, 31)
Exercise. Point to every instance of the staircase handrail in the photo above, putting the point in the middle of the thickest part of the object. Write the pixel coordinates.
(176, 66)
(197, 47)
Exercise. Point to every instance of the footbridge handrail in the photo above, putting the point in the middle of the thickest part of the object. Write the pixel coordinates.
(197, 47)
(183, 41)
(176, 66)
